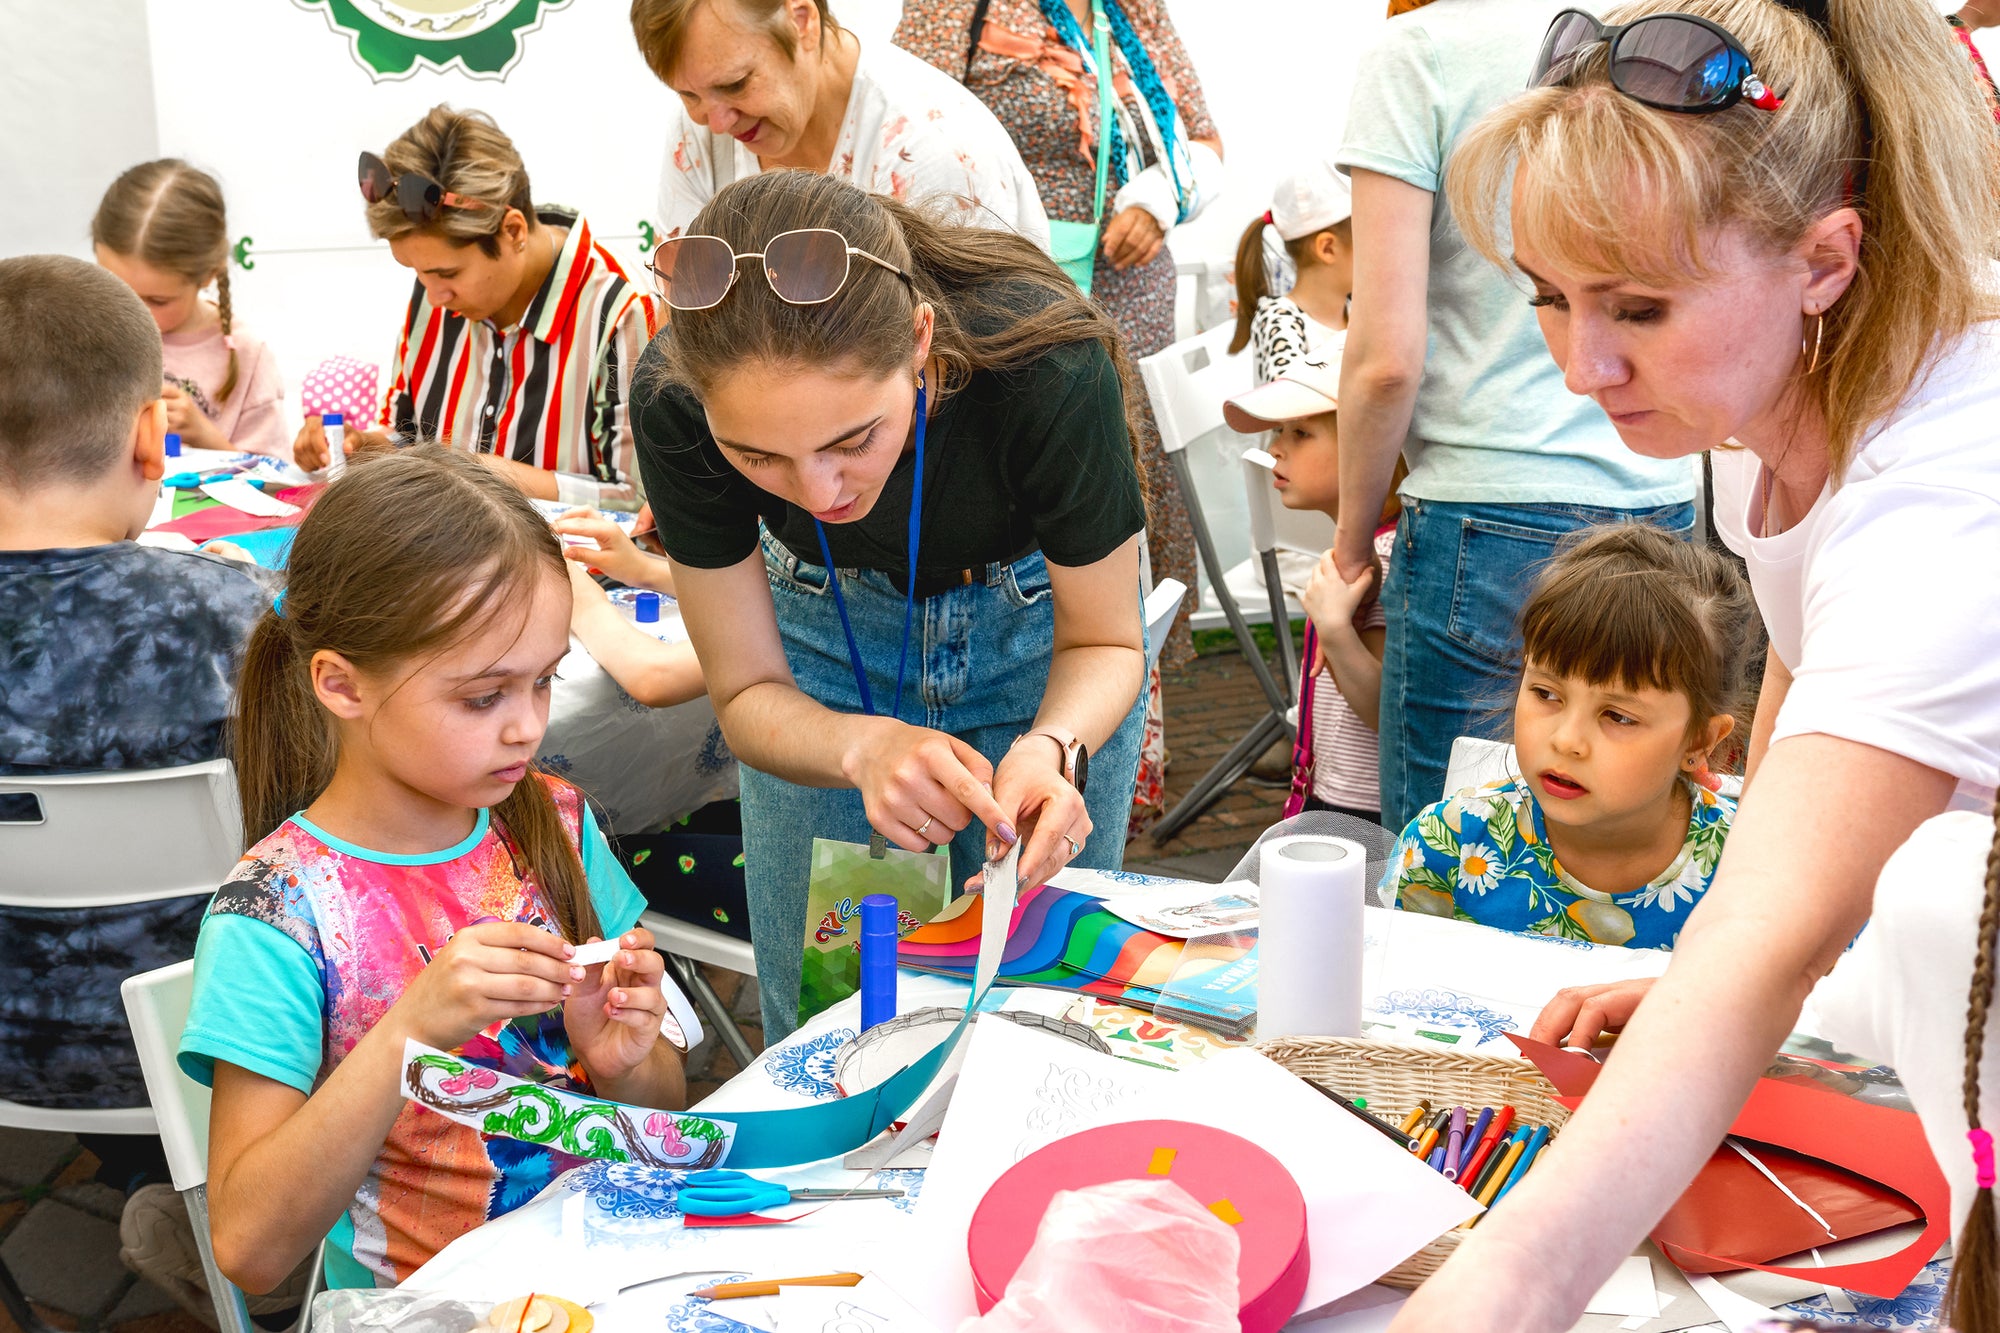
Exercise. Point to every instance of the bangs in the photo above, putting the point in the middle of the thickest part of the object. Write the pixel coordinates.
(1593, 183)
(1632, 629)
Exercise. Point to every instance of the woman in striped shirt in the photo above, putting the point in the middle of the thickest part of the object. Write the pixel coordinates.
(522, 332)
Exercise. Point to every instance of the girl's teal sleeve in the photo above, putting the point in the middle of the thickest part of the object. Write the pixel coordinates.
(259, 1003)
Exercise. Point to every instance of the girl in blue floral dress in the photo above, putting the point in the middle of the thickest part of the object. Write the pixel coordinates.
(1609, 828)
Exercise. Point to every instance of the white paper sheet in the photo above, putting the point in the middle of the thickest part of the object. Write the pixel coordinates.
(240, 494)
(1737, 1313)
(873, 1306)
(1369, 1205)
(1020, 1090)
(163, 508)
(1187, 910)
(1630, 1291)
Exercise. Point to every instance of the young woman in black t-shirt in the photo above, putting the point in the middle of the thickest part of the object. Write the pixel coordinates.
(805, 381)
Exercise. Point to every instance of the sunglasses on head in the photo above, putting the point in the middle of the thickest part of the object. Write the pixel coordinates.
(419, 196)
(1675, 62)
(806, 267)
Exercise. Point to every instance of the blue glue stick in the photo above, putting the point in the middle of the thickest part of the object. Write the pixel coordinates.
(878, 959)
(173, 445)
(335, 426)
(646, 610)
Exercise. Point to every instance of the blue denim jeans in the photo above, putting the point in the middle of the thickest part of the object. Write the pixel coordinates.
(1453, 599)
(979, 662)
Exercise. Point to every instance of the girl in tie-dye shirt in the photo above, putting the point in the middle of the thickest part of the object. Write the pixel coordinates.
(411, 877)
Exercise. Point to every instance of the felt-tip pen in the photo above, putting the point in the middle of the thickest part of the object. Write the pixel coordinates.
(1454, 1144)
(1400, 1140)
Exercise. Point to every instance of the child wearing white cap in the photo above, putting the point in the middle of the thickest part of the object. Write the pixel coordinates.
(1336, 754)
(1310, 213)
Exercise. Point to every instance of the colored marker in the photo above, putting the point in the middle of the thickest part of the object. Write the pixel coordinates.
(1354, 1109)
(1433, 1130)
(1454, 1144)
(1414, 1118)
(1528, 1155)
(1490, 1141)
(1472, 1140)
(1491, 1189)
(1436, 1160)
(1499, 1155)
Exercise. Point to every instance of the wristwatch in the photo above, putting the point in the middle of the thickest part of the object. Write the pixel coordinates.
(1075, 755)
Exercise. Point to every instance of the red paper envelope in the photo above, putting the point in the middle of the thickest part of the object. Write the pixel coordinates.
(1862, 1167)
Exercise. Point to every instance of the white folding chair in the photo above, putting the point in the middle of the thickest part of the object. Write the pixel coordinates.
(686, 944)
(156, 1005)
(108, 840)
(1187, 384)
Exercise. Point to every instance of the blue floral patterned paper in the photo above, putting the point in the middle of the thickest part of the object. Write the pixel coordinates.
(806, 1067)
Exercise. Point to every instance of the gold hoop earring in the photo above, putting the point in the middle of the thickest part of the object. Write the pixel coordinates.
(1819, 332)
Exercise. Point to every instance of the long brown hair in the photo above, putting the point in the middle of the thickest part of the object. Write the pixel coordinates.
(1627, 604)
(1879, 114)
(170, 215)
(1253, 279)
(1973, 1299)
(465, 546)
(465, 153)
(999, 301)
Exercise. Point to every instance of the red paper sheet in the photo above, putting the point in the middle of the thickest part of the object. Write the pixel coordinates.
(1863, 1167)
(222, 521)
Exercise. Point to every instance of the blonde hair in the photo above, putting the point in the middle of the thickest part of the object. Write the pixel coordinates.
(170, 215)
(661, 26)
(465, 153)
(1880, 113)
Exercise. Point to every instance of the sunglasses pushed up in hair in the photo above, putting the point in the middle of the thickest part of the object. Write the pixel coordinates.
(805, 267)
(1674, 62)
(418, 195)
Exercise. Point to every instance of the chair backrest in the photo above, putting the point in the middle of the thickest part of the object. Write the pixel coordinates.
(101, 839)
(1189, 381)
(1475, 762)
(156, 1004)
(1161, 604)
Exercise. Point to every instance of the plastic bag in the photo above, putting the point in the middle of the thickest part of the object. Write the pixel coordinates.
(1128, 1256)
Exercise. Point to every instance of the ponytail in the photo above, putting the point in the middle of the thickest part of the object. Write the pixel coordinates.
(1253, 283)
(280, 738)
(222, 309)
(469, 548)
(1973, 1299)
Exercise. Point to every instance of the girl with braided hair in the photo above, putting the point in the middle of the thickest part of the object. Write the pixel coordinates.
(162, 229)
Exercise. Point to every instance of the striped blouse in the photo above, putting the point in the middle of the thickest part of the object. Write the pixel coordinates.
(551, 391)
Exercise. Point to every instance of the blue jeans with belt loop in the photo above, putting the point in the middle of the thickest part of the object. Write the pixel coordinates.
(1452, 660)
(979, 664)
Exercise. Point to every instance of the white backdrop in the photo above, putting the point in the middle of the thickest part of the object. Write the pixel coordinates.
(270, 98)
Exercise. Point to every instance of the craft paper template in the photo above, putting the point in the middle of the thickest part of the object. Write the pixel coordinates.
(1186, 910)
(240, 494)
(1369, 1205)
(513, 1108)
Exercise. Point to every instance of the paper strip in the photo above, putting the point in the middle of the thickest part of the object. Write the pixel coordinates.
(1785, 1190)
(1738, 1314)
(589, 955)
(1226, 1210)
(1163, 1161)
(241, 495)
(513, 1108)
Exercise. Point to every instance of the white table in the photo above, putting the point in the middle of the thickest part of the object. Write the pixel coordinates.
(603, 1227)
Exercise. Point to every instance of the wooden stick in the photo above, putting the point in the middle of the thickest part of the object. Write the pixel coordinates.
(769, 1287)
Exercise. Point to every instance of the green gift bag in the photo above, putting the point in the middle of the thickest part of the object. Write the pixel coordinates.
(843, 873)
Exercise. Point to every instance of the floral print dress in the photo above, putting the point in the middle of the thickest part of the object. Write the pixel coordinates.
(1484, 855)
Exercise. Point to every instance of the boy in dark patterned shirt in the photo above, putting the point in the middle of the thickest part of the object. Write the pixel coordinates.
(112, 655)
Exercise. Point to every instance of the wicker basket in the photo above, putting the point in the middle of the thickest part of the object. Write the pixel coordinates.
(1393, 1079)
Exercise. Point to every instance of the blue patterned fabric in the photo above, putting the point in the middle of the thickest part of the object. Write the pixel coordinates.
(1160, 105)
(111, 657)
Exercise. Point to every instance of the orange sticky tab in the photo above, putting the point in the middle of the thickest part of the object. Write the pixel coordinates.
(1226, 1210)
(1163, 1161)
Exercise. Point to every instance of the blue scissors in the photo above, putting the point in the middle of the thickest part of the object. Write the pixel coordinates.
(727, 1193)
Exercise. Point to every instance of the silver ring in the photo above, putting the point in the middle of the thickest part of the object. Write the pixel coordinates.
(1074, 845)
(926, 824)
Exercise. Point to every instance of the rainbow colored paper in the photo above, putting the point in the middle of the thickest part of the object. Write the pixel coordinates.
(1064, 940)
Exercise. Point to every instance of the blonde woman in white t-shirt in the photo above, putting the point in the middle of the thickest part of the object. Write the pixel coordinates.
(1797, 258)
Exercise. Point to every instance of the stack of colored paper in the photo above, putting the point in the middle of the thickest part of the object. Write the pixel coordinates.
(1063, 940)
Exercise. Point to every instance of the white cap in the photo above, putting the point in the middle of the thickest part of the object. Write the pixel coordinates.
(1308, 387)
(1311, 200)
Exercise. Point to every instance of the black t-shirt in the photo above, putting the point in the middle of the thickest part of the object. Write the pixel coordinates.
(1032, 456)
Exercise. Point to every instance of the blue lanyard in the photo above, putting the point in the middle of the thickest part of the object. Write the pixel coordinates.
(909, 589)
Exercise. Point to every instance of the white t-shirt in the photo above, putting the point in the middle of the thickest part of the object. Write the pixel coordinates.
(1884, 603)
(1900, 994)
(911, 131)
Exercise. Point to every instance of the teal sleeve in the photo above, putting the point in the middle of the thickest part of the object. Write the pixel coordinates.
(617, 899)
(1396, 119)
(258, 1003)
